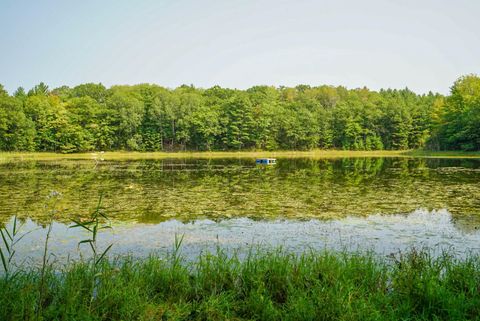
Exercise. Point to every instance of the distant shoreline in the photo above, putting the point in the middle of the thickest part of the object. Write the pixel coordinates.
(327, 154)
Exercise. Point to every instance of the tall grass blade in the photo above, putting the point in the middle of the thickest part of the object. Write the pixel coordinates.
(20, 238)
(14, 232)
(4, 262)
(103, 254)
(8, 233)
(7, 247)
(84, 225)
(11, 256)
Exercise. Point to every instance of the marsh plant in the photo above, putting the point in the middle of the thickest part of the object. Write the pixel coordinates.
(51, 209)
(7, 246)
(97, 221)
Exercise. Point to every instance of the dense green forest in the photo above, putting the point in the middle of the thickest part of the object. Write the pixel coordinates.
(148, 117)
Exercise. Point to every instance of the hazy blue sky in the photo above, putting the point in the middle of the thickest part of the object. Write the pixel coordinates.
(422, 44)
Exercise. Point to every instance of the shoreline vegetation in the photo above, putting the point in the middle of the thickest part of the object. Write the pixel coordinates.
(256, 284)
(264, 285)
(315, 154)
(151, 118)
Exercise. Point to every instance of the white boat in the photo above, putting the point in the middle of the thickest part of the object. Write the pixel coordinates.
(265, 161)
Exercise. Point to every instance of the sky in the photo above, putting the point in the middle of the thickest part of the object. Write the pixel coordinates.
(424, 45)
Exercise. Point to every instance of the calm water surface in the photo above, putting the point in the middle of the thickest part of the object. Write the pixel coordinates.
(379, 204)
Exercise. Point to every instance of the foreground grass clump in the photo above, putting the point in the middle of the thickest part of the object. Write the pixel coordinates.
(261, 286)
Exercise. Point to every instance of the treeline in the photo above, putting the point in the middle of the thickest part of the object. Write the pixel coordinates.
(152, 118)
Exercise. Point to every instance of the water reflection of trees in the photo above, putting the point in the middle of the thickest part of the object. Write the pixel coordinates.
(157, 190)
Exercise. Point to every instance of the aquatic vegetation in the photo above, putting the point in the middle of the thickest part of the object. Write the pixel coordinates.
(187, 189)
(52, 200)
(7, 246)
(93, 226)
(262, 283)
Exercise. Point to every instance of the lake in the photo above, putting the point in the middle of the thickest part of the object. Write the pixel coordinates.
(373, 204)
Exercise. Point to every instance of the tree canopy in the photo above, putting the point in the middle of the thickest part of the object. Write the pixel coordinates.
(148, 117)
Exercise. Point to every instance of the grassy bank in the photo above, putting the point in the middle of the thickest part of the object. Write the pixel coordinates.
(122, 155)
(443, 154)
(263, 286)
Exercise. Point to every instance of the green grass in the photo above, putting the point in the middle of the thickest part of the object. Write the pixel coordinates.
(123, 155)
(317, 154)
(443, 154)
(262, 286)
